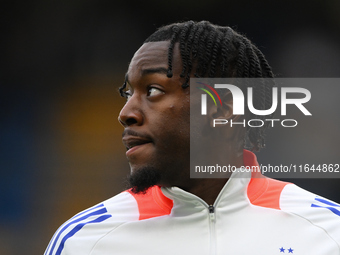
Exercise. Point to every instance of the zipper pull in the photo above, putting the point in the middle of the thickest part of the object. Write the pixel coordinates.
(211, 212)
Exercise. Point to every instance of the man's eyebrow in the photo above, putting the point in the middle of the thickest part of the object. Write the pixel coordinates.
(147, 71)
(154, 70)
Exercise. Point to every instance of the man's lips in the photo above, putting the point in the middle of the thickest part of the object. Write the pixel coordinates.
(132, 139)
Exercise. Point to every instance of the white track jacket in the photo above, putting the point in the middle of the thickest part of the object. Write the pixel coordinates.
(250, 216)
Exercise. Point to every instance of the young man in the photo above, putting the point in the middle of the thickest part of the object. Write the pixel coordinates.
(166, 211)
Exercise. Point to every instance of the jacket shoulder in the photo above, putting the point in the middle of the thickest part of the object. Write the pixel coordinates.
(80, 233)
(319, 211)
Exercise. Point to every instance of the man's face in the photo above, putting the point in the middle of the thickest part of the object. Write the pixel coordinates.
(156, 118)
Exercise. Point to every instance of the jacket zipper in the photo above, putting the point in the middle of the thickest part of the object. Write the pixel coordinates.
(211, 209)
(212, 212)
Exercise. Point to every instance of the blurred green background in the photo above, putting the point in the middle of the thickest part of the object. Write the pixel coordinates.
(61, 65)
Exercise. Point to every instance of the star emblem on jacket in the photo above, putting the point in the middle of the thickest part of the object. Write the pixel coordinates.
(290, 250)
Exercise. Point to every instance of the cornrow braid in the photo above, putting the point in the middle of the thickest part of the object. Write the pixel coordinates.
(216, 49)
(195, 49)
(226, 48)
(209, 50)
(202, 60)
(188, 54)
(171, 50)
(183, 37)
(242, 61)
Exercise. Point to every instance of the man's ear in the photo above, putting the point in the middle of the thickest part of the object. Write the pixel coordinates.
(226, 110)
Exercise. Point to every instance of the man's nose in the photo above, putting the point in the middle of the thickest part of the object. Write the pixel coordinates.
(131, 113)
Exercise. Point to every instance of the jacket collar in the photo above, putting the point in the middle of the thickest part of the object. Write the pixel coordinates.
(234, 192)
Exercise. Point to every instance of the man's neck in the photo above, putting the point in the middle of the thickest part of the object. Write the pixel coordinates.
(209, 188)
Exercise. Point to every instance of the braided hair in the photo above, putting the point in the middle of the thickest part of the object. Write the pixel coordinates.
(210, 50)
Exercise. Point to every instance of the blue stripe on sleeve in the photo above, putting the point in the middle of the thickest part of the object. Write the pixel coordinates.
(76, 229)
(67, 224)
(326, 202)
(332, 209)
(86, 211)
(331, 206)
(77, 215)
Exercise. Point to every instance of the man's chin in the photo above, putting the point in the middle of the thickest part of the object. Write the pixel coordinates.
(142, 179)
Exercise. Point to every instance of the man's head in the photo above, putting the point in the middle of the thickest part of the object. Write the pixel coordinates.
(156, 115)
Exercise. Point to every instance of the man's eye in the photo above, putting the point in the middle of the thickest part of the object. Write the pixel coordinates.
(127, 94)
(154, 92)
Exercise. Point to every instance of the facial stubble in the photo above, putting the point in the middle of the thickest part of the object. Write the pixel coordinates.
(142, 179)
